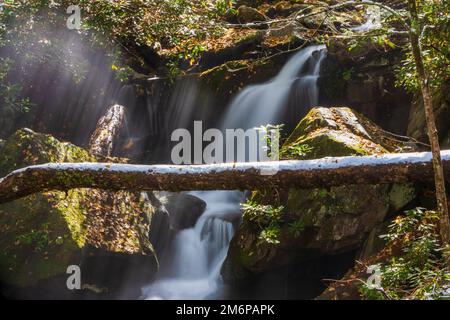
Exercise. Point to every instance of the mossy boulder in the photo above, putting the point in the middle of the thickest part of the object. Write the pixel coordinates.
(231, 77)
(42, 234)
(322, 221)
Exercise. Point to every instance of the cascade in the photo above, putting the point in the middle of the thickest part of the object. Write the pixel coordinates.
(197, 254)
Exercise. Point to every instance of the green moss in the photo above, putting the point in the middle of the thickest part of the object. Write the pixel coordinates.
(232, 76)
(400, 195)
(26, 259)
(44, 233)
(253, 37)
(70, 207)
(26, 147)
(245, 259)
(333, 132)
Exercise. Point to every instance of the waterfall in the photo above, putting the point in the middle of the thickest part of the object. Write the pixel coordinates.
(197, 254)
(263, 104)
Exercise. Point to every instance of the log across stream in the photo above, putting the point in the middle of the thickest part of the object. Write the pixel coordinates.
(324, 172)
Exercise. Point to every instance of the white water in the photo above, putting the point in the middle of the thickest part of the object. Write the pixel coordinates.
(263, 104)
(198, 253)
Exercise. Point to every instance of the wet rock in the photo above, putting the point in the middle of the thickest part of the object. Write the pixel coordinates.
(374, 244)
(330, 221)
(184, 210)
(249, 3)
(445, 141)
(441, 104)
(160, 231)
(363, 78)
(43, 234)
(283, 9)
(240, 49)
(237, 74)
(248, 15)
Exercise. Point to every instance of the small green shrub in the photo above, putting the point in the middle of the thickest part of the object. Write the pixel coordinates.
(267, 217)
(297, 227)
(421, 272)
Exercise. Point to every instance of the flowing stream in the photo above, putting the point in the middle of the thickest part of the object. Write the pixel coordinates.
(197, 254)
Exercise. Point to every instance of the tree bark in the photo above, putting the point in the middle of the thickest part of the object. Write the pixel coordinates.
(441, 195)
(321, 173)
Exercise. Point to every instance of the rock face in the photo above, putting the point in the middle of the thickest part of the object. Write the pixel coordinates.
(363, 79)
(43, 234)
(441, 104)
(318, 222)
(184, 210)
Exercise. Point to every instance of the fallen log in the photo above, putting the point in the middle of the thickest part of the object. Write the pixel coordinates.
(324, 172)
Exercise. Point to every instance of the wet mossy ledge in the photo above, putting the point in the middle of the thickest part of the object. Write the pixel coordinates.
(303, 224)
(45, 233)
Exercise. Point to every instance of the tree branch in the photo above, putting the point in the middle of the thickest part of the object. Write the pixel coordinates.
(325, 8)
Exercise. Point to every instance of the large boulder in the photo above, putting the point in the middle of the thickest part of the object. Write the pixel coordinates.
(105, 233)
(322, 221)
(248, 14)
(184, 210)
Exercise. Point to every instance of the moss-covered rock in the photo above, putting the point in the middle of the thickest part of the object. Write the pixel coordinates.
(229, 78)
(319, 221)
(42, 234)
(339, 132)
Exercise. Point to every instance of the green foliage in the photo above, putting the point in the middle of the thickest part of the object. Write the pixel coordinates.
(262, 214)
(191, 52)
(270, 131)
(421, 272)
(267, 217)
(296, 151)
(9, 93)
(270, 234)
(347, 74)
(123, 72)
(369, 293)
(297, 227)
(166, 22)
(178, 25)
(293, 151)
(434, 31)
(11, 103)
(39, 239)
(223, 7)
